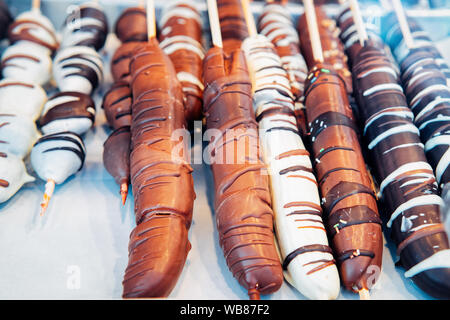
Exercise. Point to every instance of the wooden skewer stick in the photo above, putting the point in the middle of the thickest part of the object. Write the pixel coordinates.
(214, 23)
(124, 192)
(141, 3)
(151, 21)
(357, 17)
(249, 19)
(49, 189)
(404, 27)
(252, 32)
(36, 5)
(313, 30)
(364, 294)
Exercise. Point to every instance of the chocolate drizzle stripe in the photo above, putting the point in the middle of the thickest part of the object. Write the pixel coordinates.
(346, 217)
(305, 249)
(350, 254)
(329, 119)
(301, 212)
(17, 83)
(303, 203)
(331, 171)
(79, 153)
(294, 169)
(297, 152)
(303, 177)
(419, 234)
(326, 263)
(330, 149)
(4, 183)
(344, 190)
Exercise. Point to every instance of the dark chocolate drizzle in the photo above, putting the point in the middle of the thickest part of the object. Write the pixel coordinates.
(98, 32)
(304, 249)
(78, 148)
(400, 149)
(68, 110)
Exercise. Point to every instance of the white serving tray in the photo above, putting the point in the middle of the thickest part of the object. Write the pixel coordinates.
(78, 250)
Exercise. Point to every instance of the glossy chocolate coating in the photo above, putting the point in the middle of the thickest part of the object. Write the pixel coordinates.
(160, 173)
(88, 26)
(232, 24)
(117, 105)
(69, 105)
(131, 26)
(429, 98)
(242, 199)
(407, 184)
(120, 63)
(349, 34)
(277, 25)
(181, 38)
(116, 155)
(348, 197)
(5, 19)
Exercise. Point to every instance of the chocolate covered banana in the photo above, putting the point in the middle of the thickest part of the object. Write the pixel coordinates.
(408, 186)
(276, 24)
(242, 199)
(181, 40)
(159, 175)
(307, 258)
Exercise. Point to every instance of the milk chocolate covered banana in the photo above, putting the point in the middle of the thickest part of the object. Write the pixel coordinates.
(348, 197)
(242, 199)
(160, 176)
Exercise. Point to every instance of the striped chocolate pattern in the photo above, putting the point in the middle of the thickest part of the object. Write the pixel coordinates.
(407, 184)
(276, 24)
(57, 156)
(78, 69)
(429, 98)
(348, 198)
(422, 42)
(299, 228)
(68, 111)
(181, 40)
(87, 26)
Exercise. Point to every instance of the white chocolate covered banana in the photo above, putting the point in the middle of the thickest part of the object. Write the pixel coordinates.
(17, 135)
(21, 98)
(302, 239)
(78, 69)
(13, 175)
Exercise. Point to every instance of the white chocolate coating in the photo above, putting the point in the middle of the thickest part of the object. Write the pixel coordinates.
(313, 273)
(21, 98)
(17, 135)
(280, 30)
(83, 29)
(38, 26)
(72, 64)
(12, 170)
(79, 125)
(27, 61)
(58, 156)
